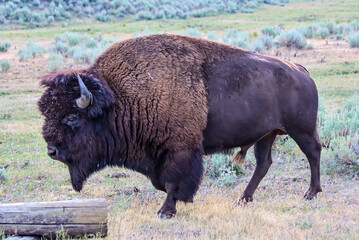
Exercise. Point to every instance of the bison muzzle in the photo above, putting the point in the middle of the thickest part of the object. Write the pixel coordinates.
(156, 104)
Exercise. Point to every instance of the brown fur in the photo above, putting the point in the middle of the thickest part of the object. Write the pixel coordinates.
(167, 72)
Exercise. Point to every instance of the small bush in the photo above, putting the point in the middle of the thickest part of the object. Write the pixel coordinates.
(78, 54)
(355, 25)
(270, 31)
(343, 28)
(61, 47)
(309, 46)
(322, 32)
(211, 35)
(50, 19)
(236, 38)
(247, 10)
(4, 46)
(204, 12)
(102, 18)
(145, 15)
(21, 14)
(81, 48)
(89, 43)
(330, 26)
(5, 66)
(71, 38)
(262, 43)
(340, 139)
(354, 39)
(3, 176)
(340, 37)
(292, 38)
(258, 46)
(31, 50)
(192, 32)
(221, 171)
(55, 61)
(307, 30)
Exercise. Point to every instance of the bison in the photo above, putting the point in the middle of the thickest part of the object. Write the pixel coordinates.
(156, 104)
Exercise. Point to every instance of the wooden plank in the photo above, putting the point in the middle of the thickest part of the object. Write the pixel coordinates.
(77, 217)
(53, 216)
(23, 238)
(98, 202)
(74, 230)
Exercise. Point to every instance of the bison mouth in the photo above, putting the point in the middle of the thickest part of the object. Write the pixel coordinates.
(77, 178)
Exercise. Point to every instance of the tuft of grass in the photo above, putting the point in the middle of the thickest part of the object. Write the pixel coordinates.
(292, 38)
(354, 40)
(31, 50)
(4, 46)
(5, 65)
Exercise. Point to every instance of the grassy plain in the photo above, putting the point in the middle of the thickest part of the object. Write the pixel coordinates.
(278, 211)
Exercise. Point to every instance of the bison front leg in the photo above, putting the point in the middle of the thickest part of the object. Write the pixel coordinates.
(181, 174)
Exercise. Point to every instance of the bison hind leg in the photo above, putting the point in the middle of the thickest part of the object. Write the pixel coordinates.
(181, 174)
(311, 147)
(262, 152)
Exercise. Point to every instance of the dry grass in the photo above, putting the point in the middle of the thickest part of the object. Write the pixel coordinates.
(276, 214)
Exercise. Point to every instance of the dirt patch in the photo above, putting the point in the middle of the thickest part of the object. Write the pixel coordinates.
(324, 51)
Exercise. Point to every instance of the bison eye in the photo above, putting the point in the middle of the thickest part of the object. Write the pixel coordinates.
(71, 120)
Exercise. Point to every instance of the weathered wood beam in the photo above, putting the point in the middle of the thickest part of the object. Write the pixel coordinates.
(76, 217)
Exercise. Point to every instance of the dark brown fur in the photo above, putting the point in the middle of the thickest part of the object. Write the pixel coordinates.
(162, 101)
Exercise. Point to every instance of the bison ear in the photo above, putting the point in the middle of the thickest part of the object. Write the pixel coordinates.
(103, 96)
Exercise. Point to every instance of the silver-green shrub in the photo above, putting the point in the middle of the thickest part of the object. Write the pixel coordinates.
(292, 38)
(31, 49)
(5, 66)
(236, 38)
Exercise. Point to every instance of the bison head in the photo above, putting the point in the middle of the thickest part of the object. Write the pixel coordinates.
(75, 107)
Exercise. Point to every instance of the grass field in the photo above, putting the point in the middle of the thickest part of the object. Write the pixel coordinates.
(27, 174)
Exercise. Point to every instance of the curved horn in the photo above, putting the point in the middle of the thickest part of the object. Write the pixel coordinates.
(86, 96)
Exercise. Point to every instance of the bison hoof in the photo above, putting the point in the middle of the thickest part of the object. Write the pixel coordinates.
(308, 196)
(242, 201)
(312, 193)
(165, 216)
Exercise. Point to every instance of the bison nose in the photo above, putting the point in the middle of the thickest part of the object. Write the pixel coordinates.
(52, 151)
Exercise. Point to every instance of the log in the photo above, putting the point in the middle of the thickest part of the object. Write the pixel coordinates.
(75, 217)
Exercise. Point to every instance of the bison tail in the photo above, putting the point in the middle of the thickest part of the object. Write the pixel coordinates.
(239, 157)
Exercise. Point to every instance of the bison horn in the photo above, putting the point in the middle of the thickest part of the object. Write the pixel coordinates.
(86, 96)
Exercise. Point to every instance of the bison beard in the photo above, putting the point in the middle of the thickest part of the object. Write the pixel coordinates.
(156, 104)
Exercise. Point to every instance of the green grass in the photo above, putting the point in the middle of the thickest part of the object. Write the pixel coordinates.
(337, 81)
